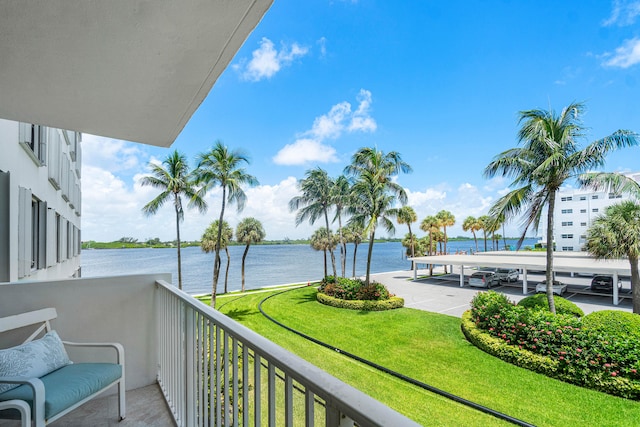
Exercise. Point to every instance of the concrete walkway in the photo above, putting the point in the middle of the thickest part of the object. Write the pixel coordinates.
(444, 294)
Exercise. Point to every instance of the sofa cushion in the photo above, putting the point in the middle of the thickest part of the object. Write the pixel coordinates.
(33, 359)
(68, 385)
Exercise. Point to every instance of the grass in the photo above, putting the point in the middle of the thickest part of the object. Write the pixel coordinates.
(430, 348)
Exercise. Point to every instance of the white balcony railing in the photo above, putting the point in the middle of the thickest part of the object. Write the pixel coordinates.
(214, 371)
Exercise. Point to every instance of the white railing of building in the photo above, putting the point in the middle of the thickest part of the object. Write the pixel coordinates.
(214, 371)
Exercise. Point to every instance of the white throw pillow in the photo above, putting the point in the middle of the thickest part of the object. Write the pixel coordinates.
(33, 359)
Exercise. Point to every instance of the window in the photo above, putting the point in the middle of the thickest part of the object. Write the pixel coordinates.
(38, 233)
(58, 249)
(583, 236)
(583, 211)
(594, 210)
(567, 199)
(34, 139)
(583, 224)
(594, 197)
(615, 196)
(567, 248)
(583, 198)
(567, 211)
(567, 223)
(567, 236)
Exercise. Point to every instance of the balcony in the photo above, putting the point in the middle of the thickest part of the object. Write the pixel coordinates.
(188, 362)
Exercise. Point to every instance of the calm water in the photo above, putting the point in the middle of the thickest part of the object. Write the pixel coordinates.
(266, 265)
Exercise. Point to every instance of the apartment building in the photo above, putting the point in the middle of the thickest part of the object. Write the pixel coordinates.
(40, 202)
(575, 210)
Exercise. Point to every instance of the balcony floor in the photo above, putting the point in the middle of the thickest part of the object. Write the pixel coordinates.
(145, 407)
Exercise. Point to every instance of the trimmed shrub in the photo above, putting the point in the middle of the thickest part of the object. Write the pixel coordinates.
(613, 323)
(353, 289)
(540, 302)
(361, 305)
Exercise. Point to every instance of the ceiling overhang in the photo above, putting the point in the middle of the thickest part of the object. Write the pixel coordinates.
(127, 69)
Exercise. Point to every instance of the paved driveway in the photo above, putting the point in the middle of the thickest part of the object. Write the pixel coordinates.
(444, 294)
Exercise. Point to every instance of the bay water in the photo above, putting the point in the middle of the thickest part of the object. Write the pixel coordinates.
(266, 265)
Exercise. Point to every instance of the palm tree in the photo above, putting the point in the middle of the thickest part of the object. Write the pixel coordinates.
(446, 220)
(485, 224)
(315, 201)
(406, 215)
(340, 199)
(323, 240)
(353, 233)
(374, 191)
(209, 243)
(472, 224)
(249, 231)
(616, 234)
(548, 157)
(221, 167)
(174, 180)
(430, 225)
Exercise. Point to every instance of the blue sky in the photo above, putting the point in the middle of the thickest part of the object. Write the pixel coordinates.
(440, 82)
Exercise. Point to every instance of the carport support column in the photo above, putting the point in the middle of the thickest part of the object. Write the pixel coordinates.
(525, 289)
(461, 275)
(415, 270)
(616, 300)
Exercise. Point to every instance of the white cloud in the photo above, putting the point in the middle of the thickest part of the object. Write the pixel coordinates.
(266, 61)
(305, 151)
(624, 56)
(310, 145)
(114, 154)
(623, 13)
(322, 43)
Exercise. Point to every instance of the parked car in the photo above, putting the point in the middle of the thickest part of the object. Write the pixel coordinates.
(558, 287)
(604, 284)
(507, 274)
(483, 279)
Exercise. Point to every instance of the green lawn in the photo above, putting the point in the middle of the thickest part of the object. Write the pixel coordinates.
(430, 348)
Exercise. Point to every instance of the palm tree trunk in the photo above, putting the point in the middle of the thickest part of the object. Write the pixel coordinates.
(179, 255)
(549, 275)
(369, 253)
(324, 251)
(445, 239)
(244, 256)
(343, 247)
(504, 237)
(413, 252)
(635, 283)
(485, 239)
(355, 251)
(475, 239)
(216, 264)
(333, 258)
(226, 272)
(430, 249)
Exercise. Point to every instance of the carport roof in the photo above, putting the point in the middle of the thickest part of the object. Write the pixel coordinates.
(532, 261)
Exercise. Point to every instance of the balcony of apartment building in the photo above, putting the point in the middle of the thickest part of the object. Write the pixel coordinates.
(187, 364)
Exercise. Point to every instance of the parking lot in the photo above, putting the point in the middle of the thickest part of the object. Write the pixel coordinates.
(443, 294)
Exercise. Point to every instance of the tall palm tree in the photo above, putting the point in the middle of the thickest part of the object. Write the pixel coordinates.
(406, 215)
(549, 155)
(249, 231)
(174, 180)
(375, 192)
(616, 234)
(354, 234)
(209, 243)
(472, 224)
(315, 201)
(485, 226)
(340, 199)
(430, 225)
(323, 240)
(446, 220)
(221, 167)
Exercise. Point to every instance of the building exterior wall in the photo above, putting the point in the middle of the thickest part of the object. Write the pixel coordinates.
(40, 202)
(575, 211)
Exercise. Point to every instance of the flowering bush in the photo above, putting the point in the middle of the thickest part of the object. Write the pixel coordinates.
(595, 358)
(540, 302)
(353, 289)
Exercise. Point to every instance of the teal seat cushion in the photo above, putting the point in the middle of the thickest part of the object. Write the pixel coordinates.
(68, 385)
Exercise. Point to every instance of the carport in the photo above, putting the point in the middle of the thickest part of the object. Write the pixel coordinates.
(530, 261)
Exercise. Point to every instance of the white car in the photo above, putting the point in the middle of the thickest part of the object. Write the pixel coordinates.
(483, 279)
(558, 287)
(507, 274)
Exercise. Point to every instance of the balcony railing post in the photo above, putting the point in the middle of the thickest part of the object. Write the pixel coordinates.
(190, 371)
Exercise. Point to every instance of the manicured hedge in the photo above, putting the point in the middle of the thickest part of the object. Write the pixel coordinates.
(556, 345)
(540, 302)
(621, 324)
(362, 305)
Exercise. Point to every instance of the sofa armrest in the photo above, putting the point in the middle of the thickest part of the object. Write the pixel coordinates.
(38, 393)
(116, 346)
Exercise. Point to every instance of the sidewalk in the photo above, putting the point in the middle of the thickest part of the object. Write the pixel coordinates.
(444, 294)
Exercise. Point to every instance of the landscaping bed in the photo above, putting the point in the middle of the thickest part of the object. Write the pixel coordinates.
(354, 294)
